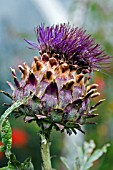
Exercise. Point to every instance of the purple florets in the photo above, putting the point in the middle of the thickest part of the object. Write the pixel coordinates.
(72, 45)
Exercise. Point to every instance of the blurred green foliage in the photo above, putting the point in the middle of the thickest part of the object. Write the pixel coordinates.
(98, 21)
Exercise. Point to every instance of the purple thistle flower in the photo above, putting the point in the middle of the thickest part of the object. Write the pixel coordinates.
(59, 79)
(71, 45)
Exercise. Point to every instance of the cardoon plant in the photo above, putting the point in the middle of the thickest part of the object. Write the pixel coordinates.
(55, 91)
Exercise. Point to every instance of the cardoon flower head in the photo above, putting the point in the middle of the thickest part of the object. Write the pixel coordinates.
(70, 45)
(59, 79)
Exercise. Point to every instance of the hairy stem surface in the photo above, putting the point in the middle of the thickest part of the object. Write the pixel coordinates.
(45, 152)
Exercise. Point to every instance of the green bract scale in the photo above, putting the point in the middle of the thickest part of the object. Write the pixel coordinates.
(61, 94)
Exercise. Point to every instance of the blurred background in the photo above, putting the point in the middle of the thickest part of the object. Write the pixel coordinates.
(17, 21)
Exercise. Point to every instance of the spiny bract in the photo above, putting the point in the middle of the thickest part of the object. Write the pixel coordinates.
(61, 94)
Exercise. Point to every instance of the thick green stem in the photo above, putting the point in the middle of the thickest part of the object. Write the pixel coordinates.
(45, 152)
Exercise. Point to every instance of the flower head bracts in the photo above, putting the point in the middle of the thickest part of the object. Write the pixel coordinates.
(61, 96)
(71, 45)
(59, 79)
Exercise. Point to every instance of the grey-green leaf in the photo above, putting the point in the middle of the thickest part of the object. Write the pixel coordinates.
(79, 153)
(64, 161)
(96, 155)
(86, 155)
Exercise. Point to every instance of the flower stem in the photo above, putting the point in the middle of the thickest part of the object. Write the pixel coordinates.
(45, 152)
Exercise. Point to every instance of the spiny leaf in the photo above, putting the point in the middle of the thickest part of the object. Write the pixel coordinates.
(14, 164)
(14, 106)
(28, 164)
(6, 135)
(8, 168)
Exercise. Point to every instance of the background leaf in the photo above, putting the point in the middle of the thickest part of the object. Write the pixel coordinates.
(95, 156)
(64, 161)
(86, 155)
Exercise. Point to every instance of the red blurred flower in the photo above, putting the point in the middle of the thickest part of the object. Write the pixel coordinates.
(1, 153)
(19, 138)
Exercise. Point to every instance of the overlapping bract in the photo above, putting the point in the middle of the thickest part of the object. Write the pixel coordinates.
(61, 95)
(72, 45)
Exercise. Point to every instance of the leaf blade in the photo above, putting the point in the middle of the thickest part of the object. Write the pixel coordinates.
(6, 135)
(64, 161)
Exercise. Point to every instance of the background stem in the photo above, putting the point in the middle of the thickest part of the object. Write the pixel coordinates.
(45, 152)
